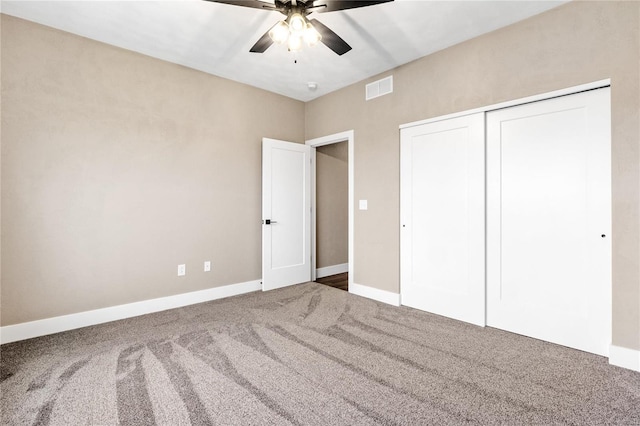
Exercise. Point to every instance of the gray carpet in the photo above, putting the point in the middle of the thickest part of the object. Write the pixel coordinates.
(306, 355)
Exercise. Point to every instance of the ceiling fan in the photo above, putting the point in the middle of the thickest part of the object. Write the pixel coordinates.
(297, 28)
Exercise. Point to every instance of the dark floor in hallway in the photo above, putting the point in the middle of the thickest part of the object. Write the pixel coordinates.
(339, 281)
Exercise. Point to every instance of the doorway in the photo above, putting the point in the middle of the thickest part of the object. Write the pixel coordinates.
(332, 209)
(332, 216)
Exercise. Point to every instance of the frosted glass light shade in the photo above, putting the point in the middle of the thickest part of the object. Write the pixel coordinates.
(279, 33)
(295, 42)
(311, 35)
(297, 23)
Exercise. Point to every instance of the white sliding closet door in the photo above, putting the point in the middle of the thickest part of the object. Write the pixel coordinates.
(549, 220)
(442, 214)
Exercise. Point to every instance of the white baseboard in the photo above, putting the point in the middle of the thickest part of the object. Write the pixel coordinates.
(28, 330)
(624, 357)
(375, 294)
(327, 271)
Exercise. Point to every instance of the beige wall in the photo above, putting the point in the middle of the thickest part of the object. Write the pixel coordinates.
(117, 167)
(332, 207)
(574, 44)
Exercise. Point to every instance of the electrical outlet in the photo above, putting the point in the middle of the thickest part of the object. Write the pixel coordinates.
(182, 270)
(207, 266)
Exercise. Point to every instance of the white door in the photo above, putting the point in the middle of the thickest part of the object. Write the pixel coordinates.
(549, 220)
(442, 262)
(286, 205)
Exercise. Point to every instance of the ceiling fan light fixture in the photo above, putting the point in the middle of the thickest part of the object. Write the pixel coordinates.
(279, 33)
(311, 35)
(296, 28)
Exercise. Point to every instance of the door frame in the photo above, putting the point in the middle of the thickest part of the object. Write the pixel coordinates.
(349, 137)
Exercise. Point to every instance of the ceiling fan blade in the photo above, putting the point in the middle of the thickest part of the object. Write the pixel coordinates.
(333, 5)
(256, 4)
(331, 39)
(263, 44)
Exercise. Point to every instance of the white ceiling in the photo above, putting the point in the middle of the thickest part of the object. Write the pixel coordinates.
(216, 38)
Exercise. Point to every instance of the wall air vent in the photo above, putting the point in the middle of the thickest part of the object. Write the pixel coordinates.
(379, 88)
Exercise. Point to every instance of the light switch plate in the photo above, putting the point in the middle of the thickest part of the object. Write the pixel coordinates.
(182, 270)
(207, 266)
(363, 205)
